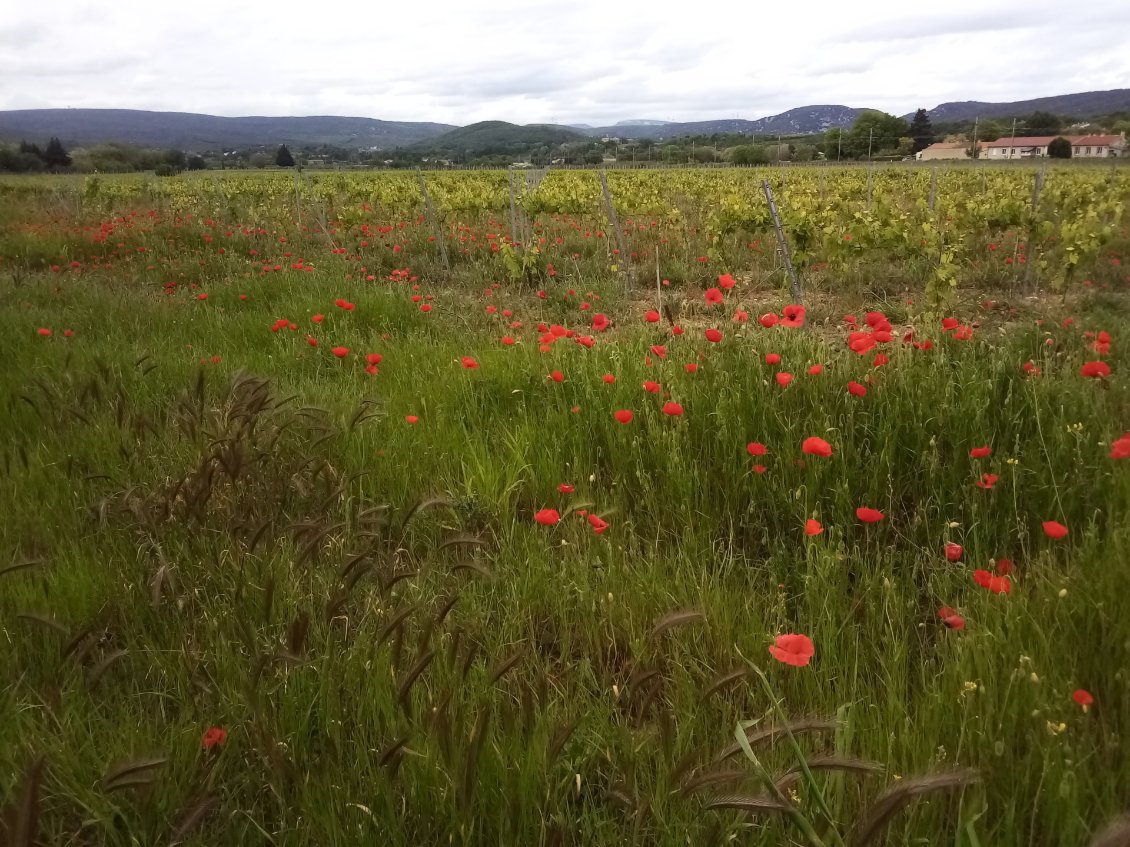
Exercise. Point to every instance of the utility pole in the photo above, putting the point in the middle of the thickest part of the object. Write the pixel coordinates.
(1012, 139)
(976, 152)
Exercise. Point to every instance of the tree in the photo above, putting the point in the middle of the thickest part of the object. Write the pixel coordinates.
(921, 131)
(1042, 123)
(873, 133)
(196, 163)
(55, 156)
(283, 158)
(1059, 148)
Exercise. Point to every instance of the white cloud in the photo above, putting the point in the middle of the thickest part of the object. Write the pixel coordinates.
(566, 62)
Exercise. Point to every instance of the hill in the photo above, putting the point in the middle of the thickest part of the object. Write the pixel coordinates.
(496, 138)
(804, 120)
(193, 132)
(1087, 104)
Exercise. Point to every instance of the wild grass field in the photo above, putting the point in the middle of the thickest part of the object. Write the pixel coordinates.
(310, 536)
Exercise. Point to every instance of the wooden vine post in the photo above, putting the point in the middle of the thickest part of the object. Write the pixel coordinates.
(794, 283)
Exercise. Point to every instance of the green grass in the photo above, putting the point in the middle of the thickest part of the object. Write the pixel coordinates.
(294, 603)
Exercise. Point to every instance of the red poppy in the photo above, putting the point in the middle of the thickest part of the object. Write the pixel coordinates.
(609, 378)
(950, 323)
(713, 336)
(44, 331)
(1083, 697)
(816, 369)
(951, 618)
(1120, 448)
(677, 330)
(784, 378)
(340, 352)
(1095, 370)
(1031, 369)
(812, 527)
(981, 452)
(672, 409)
(598, 524)
(953, 551)
(600, 322)
(412, 419)
(557, 376)
(651, 387)
(726, 281)
(792, 649)
(1055, 530)
(214, 737)
(793, 316)
(374, 358)
(547, 517)
(713, 296)
(203, 295)
(565, 488)
(660, 350)
(857, 389)
(769, 319)
(318, 318)
(869, 515)
(1004, 567)
(987, 480)
(995, 584)
(756, 448)
(469, 363)
(651, 316)
(624, 416)
(772, 359)
(814, 446)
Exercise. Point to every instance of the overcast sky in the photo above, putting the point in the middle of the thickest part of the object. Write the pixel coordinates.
(579, 61)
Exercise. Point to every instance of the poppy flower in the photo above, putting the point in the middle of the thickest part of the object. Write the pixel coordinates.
(600, 322)
(374, 358)
(756, 448)
(1055, 530)
(44, 331)
(624, 416)
(950, 323)
(713, 336)
(816, 370)
(981, 452)
(651, 387)
(660, 350)
(651, 316)
(869, 515)
(953, 551)
(469, 363)
(425, 307)
(812, 527)
(340, 352)
(677, 330)
(411, 419)
(951, 618)
(203, 295)
(759, 469)
(792, 649)
(1120, 448)
(793, 316)
(1095, 370)
(691, 367)
(726, 281)
(608, 379)
(214, 737)
(318, 318)
(547, 517)
(768, 320)
(987, 481)
(1083, 697)
(814, 446)
(598, 524)
(995, 584)
(1004, 567)
(857, 389)
(557, 376)
(713, 296)
(565, 488)
(784, 378)
(772, 358)
(1030, 369)
(672, 409)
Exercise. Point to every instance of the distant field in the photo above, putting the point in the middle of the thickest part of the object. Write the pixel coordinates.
(316, 533)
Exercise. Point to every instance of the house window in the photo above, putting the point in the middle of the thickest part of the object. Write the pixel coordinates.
(1087, 152)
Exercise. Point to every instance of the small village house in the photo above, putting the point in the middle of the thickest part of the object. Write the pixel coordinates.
(1082, 147)
(943, 150)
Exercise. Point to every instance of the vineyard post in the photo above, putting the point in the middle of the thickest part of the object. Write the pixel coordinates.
(794, 284)
(821, 185)
(431, 213)
(1030, 255)
(933, 187)
(658, 288)
(514, 234)
(610, 211)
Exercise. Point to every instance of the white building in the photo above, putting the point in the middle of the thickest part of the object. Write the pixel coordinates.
(1032, 147)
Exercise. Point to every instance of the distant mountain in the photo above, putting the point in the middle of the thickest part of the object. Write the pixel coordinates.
(1088, 104)
(496, 138)
(805, 120)
(187, 131)
(642, 122)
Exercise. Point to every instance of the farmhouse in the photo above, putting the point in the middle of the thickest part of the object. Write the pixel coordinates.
(943, 150)
(1082, 147)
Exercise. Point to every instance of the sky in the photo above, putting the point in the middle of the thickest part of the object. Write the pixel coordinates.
(579, 61)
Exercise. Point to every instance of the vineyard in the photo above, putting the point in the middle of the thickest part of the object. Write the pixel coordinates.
(482, 508)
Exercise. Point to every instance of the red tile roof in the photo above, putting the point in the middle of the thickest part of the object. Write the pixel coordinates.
(1045, 140)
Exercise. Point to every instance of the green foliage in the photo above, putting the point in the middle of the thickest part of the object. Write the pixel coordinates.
(921, 131)
(876, 133)
(1040, 123)
(54, 156)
